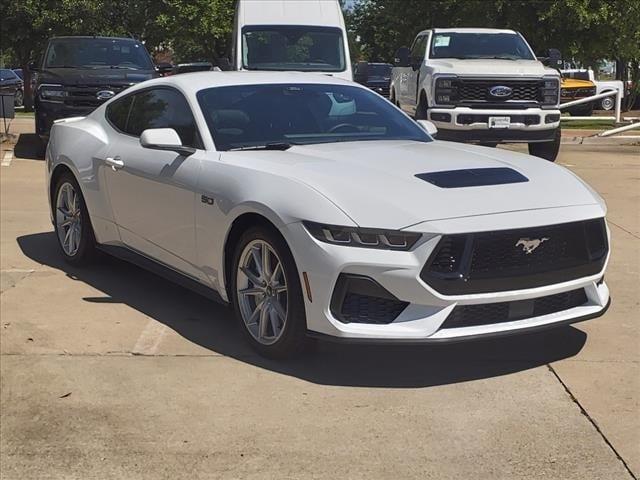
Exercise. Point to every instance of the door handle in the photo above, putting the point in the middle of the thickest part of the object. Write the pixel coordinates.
(115, 163)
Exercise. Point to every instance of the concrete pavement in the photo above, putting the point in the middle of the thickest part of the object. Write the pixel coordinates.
(112, 372)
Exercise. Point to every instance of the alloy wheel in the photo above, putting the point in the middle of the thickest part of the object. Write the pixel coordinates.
(68, 219)
(262, 293)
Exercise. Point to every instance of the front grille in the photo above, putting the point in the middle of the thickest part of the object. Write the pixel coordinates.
(380, 89)
(516, 259)
(469, 118)
(477, 90)
(85, 95)
(492, 313)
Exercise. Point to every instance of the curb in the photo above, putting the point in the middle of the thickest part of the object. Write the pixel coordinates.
(622, 140)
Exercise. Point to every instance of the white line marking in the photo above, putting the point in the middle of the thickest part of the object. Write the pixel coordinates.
(150, 338)
(6, 160)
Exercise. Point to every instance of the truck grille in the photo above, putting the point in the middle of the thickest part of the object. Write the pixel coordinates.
(380, 89)
(477, 90)
(516, 259)
(86, 95)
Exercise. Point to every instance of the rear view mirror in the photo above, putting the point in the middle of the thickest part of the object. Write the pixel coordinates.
(164, 139)
(402, 57)
(428, 126)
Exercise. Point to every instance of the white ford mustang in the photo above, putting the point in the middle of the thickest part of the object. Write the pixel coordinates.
(317, 208)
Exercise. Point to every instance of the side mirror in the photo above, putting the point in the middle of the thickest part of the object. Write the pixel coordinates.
(362, 72)
(164, 67)
(428, 126)
(224, 64)
(32, 66)
(551, 57)
(164, 139)
(402, 57)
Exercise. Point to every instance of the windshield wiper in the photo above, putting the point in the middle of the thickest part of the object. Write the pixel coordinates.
(122, 68)
(268, 146)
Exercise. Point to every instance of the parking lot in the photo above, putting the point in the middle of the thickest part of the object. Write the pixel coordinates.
(112, 372)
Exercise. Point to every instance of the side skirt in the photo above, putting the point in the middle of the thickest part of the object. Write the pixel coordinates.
(163, 271)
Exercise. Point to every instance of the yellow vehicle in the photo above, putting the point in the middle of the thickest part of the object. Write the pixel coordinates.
(574, 89)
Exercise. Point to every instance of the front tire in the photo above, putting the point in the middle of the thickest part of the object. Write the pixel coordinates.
(547, 150)
(422, 110)
(72, 223)
(267, 295)
(585, 110)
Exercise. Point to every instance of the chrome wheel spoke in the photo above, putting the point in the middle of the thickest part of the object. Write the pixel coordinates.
(261, 292)
(68, 219)
(251, 276)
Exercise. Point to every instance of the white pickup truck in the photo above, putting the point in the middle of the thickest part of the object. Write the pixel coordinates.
(480, 85)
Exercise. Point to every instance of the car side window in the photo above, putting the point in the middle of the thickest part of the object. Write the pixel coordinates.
(118, 113)
(418, 49)
(163, 108)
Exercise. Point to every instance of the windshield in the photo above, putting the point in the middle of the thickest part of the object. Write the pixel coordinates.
(300, 114)
(304, 48)
(508, 46)
(97, 53)
(379, 70)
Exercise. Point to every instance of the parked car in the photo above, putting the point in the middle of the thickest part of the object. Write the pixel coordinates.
(291, 35)
(575, 89)
(480, 85)
(78, 74)
(376, 76)
(348, 223)
(11, 84)
(602, 86)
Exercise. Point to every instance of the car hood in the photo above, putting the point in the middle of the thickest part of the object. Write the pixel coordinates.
(576, 83)
(491, 68)
(102, 76)
(375, 182)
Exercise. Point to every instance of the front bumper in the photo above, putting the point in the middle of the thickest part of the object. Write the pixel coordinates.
(427, 310)
(467, 124)
(49, 112)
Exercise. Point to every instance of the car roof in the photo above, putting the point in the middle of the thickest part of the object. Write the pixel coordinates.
(196, 81)
(470, 30)
(99, 37)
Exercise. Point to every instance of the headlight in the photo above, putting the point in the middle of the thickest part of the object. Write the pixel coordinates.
(550, 91)
(52, 93)
(446, 91)
(363, 237)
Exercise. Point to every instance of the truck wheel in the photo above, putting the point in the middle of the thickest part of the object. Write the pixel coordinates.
(422, 110)
(581, 110)
(547, 150)
(607, 103)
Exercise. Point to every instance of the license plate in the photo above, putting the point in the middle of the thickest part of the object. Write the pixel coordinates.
(499, 122)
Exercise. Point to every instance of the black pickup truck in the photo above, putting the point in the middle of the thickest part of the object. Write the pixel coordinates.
(77, 74)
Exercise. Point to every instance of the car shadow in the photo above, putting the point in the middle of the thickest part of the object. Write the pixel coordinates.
(213, 327)
(29, 147)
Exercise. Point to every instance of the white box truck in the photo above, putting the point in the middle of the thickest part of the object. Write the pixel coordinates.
(291, 35)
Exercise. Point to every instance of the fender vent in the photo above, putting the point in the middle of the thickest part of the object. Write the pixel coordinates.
(473, 177)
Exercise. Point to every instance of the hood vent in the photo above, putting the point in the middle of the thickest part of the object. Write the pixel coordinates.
(473, 177)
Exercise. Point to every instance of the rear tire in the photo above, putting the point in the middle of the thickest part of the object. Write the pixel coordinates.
(72, 223)
(547, 150)
(274, 284)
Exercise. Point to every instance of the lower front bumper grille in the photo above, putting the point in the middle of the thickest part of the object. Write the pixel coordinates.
(491, 313)
(358, 299)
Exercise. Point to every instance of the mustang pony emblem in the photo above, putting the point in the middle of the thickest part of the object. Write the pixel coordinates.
(529, 245)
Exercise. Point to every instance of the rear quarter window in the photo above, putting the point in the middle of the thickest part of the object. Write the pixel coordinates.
(118, 113)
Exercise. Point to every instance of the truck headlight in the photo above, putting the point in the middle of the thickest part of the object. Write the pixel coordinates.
(550, 91)
(52, 93)
(363, 237)
(446, 90)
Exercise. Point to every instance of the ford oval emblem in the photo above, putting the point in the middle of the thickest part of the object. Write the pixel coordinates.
(105, 94)
(500, 91)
